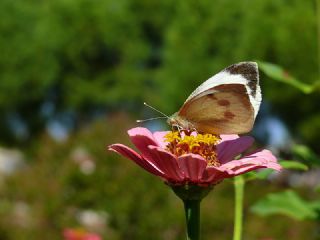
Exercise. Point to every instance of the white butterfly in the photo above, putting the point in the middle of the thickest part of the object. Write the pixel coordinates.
(226, 103)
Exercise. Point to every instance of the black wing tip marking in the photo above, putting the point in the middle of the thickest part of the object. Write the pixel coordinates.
(249, 70)
(244, 68)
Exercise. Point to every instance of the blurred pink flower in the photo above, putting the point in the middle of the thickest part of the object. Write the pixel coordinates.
(194, 159)
(79, 234)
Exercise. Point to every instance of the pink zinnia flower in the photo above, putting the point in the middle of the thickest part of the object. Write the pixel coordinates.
(79, 234)
(193, 159)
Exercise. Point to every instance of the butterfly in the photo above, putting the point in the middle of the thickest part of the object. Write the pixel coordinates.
(226, 103)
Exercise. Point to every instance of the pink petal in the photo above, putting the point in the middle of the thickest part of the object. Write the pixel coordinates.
(142, 138)
(262, 159)
(231, 146)
(167, 163)
(129, 153)
(193, 166)
(270, 161)
(214, 174)
(244, 169)
(159, 137)
(228, 137)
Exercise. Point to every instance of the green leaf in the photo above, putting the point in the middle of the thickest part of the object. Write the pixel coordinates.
(293, 165)
(277, 73)
(287, 203)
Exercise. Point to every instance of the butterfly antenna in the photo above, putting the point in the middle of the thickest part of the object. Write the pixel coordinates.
(156, 110)
(149, 119)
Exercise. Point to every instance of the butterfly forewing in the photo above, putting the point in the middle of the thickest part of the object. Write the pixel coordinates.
(226, 103)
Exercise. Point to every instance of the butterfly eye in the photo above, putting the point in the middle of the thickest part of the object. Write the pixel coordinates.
(176, 127)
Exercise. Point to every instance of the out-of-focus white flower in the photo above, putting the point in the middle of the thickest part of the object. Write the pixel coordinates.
(10, 161)
(84, 160)
(93, 220)
(22, 214)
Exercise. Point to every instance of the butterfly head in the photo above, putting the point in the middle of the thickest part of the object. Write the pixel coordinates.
(181, 123)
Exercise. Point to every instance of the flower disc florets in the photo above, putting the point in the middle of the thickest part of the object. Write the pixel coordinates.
(184, 142)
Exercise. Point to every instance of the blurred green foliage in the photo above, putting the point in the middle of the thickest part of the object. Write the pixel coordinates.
(83, 55)
(287, 203)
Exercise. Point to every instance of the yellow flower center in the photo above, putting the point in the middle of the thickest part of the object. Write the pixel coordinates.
(184, 142)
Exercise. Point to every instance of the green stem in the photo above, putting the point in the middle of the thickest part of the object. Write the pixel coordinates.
(238, 212)
(192, 211)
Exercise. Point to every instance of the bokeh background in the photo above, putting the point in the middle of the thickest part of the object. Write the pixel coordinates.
(73, 78)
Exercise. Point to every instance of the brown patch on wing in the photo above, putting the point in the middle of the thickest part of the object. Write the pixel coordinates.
(229, 115)
(236, 88)
(223, 102)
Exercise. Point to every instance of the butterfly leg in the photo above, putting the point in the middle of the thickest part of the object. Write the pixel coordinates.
(194, 130)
